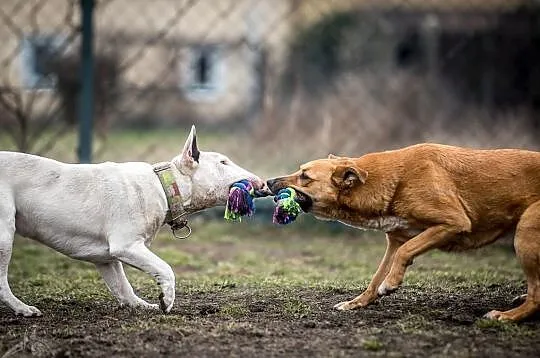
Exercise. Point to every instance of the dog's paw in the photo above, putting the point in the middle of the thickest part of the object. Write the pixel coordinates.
(28, 311)
(346, 306)
(494, 315)
(165, 304)
(150, 306)
(385, 289)
(361, 301)
(142, 304)
(138, 303)
(497, 316)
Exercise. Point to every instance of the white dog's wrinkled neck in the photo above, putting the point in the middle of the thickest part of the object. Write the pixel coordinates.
(185, 186)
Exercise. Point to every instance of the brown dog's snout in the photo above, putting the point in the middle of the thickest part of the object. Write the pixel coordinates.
(270, 183)
(274, 184)
(264, 190)
(261, 189)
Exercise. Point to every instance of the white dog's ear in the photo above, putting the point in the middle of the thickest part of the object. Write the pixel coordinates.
(190, 153)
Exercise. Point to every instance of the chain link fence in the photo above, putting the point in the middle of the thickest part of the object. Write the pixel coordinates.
(271, 82)
(34, 34)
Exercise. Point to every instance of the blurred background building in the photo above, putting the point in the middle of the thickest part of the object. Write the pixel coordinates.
(270, 82)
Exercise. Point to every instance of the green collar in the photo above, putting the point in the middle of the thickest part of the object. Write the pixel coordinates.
(175, 213)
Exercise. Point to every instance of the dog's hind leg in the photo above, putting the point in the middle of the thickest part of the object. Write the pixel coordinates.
(136, 254)
(527, 245)
(7, 232)
(115, 278)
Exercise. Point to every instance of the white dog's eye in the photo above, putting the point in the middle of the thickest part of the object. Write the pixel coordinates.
(224, 162)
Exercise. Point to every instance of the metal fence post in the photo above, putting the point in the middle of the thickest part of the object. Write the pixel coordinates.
(86, 94)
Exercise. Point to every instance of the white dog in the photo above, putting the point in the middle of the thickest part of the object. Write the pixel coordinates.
(108, 213)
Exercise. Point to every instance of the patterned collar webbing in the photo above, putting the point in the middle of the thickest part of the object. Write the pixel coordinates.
(176, 210)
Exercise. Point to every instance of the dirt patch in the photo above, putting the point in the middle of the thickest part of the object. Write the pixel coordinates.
(242, 321)
(245, 290)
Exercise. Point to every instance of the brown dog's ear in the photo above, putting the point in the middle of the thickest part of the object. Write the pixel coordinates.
(346, 176)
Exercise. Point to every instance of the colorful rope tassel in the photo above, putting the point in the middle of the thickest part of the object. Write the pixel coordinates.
(240, 202)
(287, 208)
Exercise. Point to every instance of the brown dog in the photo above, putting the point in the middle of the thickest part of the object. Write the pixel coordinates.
(430, 196)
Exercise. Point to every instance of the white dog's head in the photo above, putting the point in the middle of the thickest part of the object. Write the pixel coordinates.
(211, 175)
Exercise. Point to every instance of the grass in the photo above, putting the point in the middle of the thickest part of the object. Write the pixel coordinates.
(234, 310)
(372, 344)
(239, 284)
(222, 255)
(296, 308)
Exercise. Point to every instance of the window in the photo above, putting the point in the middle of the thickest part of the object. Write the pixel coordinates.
(409, 50)
(205, 74)
(202, 68)
(37, 55)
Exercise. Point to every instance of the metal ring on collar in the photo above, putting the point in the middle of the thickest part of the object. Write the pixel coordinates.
(182, 237)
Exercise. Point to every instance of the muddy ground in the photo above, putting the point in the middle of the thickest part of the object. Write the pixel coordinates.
(240, 295)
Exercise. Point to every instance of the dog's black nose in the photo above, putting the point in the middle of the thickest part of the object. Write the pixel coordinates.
(271, 184)
(263, 191)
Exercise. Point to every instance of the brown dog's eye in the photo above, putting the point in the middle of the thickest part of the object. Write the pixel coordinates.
(303, 176)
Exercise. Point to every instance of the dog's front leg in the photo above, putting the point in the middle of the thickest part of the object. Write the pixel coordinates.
(136, 254)
(115, 278)
(430, 238)
(393, 242)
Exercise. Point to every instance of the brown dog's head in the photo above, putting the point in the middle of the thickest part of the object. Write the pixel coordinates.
(320, 183)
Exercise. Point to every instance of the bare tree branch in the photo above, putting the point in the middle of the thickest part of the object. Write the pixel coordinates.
(47, 122)
(11, 110)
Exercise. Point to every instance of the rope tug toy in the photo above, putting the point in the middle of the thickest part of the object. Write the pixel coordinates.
(240, 201)
(287, 208)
